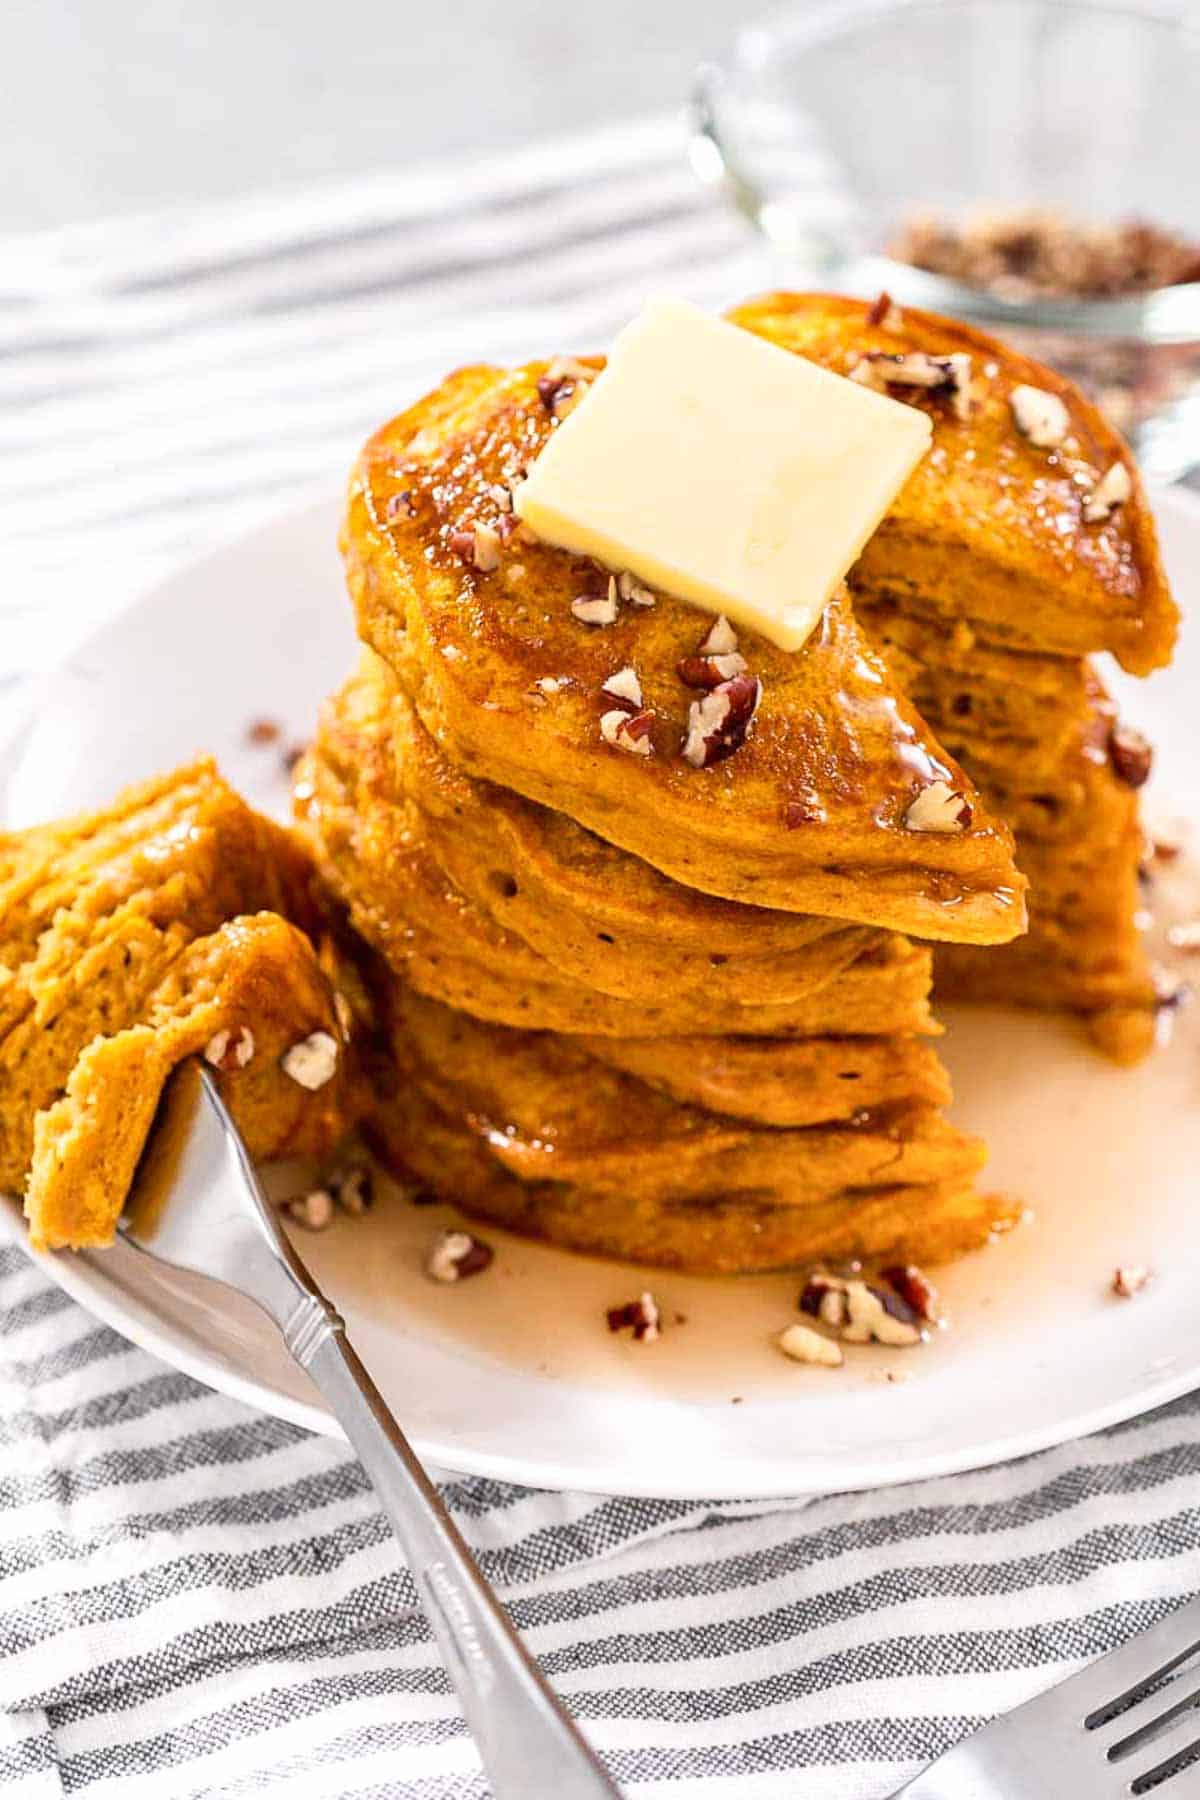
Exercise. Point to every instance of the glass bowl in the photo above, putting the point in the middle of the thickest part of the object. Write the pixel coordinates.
(832, 126)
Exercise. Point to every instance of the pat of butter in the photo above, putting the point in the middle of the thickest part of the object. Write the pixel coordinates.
(719, 468)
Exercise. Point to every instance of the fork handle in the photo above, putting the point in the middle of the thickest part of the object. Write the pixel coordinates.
(527, 1742)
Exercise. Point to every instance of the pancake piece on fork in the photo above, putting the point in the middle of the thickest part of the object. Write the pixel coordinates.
(173, 923)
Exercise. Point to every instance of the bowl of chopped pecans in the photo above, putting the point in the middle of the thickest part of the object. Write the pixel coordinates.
(1022, 164)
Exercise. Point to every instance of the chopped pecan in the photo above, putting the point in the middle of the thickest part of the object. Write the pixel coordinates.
(914, 1288)
(884, 311)
(624, 690)
(722, 639)
(1169, 994)
(1130, 754)
(859, 1311)
(939, 807)
(353, 1188)
(1112, 490)
(802, 812)
(628, 731)
(227, 1050)
(880, 369)
(717, 659)
(314, 1210)
(478, 545)
(263, 731)
(805, 1345)
(1129, 1280)
(312, 1062)
(1040, 416)
(641, 1316)
(719, 724)
(709, 671)
(563, 385)
(596, 609)
(631, 589)
(1165, 841)
(454, 1255)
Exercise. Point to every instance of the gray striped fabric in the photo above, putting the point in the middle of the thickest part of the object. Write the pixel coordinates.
(195, 1600)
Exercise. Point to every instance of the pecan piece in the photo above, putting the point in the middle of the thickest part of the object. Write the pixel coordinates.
(478, 545)
(716, 660)
(719, 724)
(1112, 490)
(951, 375)
(624, 690)
(454, 1255)
(1130, 754)
(709, 671)
(858, 1311)
(631, 589)
(939, 807)
(884, 311)
(1129, 1280)
(914, 1288)
(312, 1062)
(314, 1210)
(596, 609)
(353, 1188)
(805, 1345)
(641, 1316)
(1040, 416)
(628, 731)
(797, 813)
(563, 385)
(227, 1050)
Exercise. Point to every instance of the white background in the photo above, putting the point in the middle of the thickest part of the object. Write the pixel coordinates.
(110, 106)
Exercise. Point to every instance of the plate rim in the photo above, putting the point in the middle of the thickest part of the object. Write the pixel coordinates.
(81, 1279)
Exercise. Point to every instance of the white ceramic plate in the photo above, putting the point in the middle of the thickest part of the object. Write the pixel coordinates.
(515, 1374)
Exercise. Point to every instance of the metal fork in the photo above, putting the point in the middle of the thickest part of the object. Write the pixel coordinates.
(197, 1205)
(1126, 1725)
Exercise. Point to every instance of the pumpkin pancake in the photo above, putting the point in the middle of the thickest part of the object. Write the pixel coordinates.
(782, 1081)
(989, 526)
(382, 806)
(992, 575)
(534, 1133)
(381, 870)
(131, 921)
(811, 813)
(599, 914)
(708, 1234)
(1041, 738)
(256, 973)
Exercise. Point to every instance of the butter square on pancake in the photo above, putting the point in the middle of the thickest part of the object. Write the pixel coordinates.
(724, 470)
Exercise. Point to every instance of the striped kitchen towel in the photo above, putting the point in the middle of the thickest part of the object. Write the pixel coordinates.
(199, 1601)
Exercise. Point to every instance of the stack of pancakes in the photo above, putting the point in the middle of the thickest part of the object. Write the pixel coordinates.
(675, 1012)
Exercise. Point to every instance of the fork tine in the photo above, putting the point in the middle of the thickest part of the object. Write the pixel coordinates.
(1120, 1678)
(1163, 1772)
(1152, 1719)
(1060, 1742)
